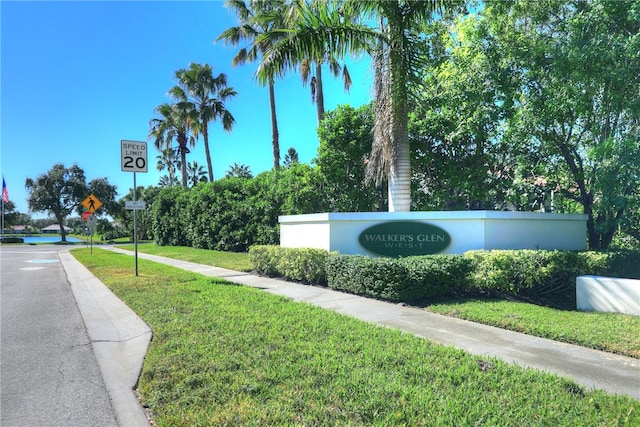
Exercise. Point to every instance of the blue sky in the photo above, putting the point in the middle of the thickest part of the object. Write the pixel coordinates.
(78, 77)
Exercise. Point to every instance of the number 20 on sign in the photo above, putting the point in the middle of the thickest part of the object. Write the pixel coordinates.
(134, 156)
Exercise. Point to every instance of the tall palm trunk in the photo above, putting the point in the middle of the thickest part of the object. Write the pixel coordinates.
(390, 152)
(275, 137)
(319, 93)
(205, 136)
(172, 173)
(400, 176)
(400, 167)
(182, 142)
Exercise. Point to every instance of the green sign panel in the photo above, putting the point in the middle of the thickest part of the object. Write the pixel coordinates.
(404, 238)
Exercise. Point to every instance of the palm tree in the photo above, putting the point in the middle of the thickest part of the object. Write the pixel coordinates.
(393, 46)
(167, 181)
(395, 60)
(291, 157)
(307, 64)
(317, 90)
(176, 123)
(239, 171)
(195, 173)
(168, 159)
(208, 95)
(256, 18)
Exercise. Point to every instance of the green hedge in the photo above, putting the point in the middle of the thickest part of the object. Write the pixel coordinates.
(539, 276)
(409, 279)
(12, 240)
(232, 214)
(545, 277)
(305, 265)
(623, 263)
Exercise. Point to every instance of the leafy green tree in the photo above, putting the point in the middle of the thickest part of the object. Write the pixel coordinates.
(576, 64)
(144, 218)
(77, 225)
(257, 18)
(208, 94)
(298, 190)
(459, 159)
(104, 226)
(630, 226)
(176, 123)
(11, 216)
(106, 193)
(239, 171)
(343, 153)
(60, 191)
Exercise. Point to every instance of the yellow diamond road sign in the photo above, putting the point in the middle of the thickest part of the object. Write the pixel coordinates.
(92, 203)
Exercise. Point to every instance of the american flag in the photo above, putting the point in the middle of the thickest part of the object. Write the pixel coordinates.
(5, 193)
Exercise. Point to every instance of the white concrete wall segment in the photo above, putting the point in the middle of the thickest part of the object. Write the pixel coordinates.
(309, 234)
(608, 294)
(536, 231)
(469, 230)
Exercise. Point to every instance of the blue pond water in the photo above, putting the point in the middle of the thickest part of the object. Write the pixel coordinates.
(54, 238)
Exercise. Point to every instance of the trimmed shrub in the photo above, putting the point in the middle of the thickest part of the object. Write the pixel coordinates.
(411, 279)
(438, 275)
(539, 276)
(361, 275)
(623, 263)
(265, 259)
(300, 264)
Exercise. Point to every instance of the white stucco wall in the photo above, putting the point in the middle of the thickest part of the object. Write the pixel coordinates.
(608, 294)
(468, 230)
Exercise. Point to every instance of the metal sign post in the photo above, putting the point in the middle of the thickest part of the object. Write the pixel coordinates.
(134, 159)
(91, 225)
(135, 223)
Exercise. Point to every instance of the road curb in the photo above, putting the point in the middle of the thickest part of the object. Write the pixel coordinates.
(119, 337)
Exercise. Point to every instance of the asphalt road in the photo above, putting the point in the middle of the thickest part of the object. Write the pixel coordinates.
(49, 375)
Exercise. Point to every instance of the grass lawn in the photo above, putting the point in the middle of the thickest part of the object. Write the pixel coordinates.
(231, 260)
(612, 332)
(232, 355)
(616, 333)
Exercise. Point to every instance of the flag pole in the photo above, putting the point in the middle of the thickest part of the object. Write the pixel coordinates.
(4, 194)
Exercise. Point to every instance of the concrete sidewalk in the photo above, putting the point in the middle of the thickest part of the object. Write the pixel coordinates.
(591, 368)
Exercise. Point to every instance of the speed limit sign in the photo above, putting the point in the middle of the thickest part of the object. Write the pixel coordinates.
(133, 156)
